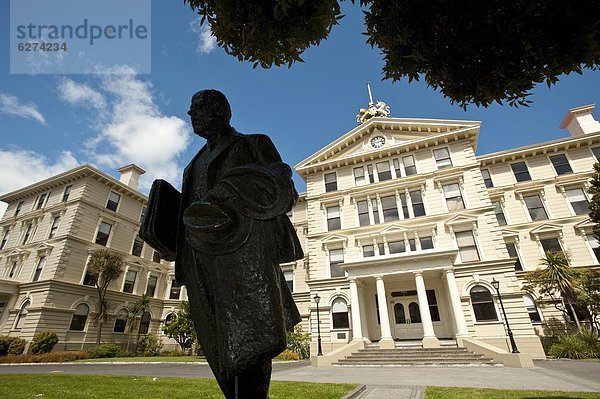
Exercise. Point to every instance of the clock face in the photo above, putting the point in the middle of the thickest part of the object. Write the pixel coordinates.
(377, 141)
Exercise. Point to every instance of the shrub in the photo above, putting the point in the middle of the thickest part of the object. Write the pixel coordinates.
(299, 342)
(43, 342)
(105, 351)
(54, 357)
(17, 346)
(5, 341)
(149, 345)
(288, 355)
(175, 353)
(580, 345)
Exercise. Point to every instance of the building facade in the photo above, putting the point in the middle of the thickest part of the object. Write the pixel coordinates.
(404, 229)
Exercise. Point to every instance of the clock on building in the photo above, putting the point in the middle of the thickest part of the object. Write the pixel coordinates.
(377, 141)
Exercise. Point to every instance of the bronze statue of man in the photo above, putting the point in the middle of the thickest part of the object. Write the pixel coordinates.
(232, 233)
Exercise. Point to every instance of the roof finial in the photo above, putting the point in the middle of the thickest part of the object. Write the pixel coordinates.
(381, 109)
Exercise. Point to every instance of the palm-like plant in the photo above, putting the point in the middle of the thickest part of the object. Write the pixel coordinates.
(135, 311)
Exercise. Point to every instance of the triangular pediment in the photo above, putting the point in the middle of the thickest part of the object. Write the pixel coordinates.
(396, 133)
(334, 238)
(586, 225)
(393, 229)
(510, 233)
(16, 253)
(546, 228)
(461, 218)
(43, 247)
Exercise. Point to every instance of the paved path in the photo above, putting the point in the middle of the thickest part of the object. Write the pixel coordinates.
(547, 375)
(392, 392)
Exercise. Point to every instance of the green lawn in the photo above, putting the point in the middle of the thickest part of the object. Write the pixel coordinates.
(480, 393)
(61, 386)
(165, 359)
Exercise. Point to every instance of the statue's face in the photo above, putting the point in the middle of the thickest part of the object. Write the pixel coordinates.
(210, 113)
(201, 120)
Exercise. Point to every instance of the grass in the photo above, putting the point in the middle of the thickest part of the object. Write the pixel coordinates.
(149, 359)
(480, 393)
(60, 386)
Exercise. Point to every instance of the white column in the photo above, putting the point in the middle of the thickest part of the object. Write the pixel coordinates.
(363, 314)
(386, 340)
(355, 309)
(429, 338)
(459, 316)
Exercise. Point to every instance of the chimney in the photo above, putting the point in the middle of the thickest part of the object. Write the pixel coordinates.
(130, 175)
(579, 121)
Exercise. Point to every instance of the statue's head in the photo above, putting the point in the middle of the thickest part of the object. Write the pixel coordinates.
(210, 113)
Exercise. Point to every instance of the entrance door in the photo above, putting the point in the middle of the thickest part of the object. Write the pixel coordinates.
(407, 319)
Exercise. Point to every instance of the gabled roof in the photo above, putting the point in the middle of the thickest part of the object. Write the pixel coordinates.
(546, 228)
(460, 219)
(401, 134)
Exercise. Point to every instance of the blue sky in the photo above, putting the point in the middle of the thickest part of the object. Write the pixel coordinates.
(49, 123)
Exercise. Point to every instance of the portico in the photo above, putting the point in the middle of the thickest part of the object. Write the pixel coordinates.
(410, 298)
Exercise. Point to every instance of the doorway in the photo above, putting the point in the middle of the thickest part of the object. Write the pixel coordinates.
(407, 319)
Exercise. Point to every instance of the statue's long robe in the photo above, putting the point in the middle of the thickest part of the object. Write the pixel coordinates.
(240, 302)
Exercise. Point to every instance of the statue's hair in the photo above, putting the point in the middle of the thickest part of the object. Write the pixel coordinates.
(214, 102)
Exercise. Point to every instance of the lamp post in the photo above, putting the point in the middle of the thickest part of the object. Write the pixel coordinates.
(513, 344)
(317, 299)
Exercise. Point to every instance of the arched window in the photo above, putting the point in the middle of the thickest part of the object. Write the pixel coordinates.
(79, 317)
(22, 315)
(483, 304)
(534, 315)
(413, 311)
(121, 321)
(145, 323)
(399, 314)
(169, 319)
(339, 314)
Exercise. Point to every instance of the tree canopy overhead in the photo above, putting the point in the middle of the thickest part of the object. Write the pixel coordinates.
(473, 52)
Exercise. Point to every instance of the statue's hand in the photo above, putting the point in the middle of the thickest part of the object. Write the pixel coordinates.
(205, 215)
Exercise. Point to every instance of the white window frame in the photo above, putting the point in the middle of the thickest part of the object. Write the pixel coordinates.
(54, 217)
(116, 210)
(403, 166)
(589, 246)
(503, 208)
(339, 297)
(518, 250)
(546, 236)
(87, 319)
(331, 205)
(325, 181)
(328, 255)
(585, 194)
(437, 166)
(135, 281)
(44, 203)
(364, 176)
(554, 167)
(490, 178)
(475, 240)
(445, 199)
(513, 172)
(147, 284)
(36, 264)
(110, 235)
(541, 195)
(70, 188)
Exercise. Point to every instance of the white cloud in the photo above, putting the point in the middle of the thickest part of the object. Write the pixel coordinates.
(206, 41)
(82, 94)
(19, 168)
(11, 105)
(136, 131)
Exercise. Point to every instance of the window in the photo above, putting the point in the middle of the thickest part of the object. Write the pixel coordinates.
(5, 239)
(453, 197)
(145, 323)
(330, 182)
(130, 277)
(90, 278)
(169, 319)
(487, 179)
(368, 251)
(143, 214)
(54, 227)
(121, 321)
(381, 248)
(426, 242)
(156, 257)
(371, 174)
(535, 207)
(383, 171)
(375, 207)
(595, 246)
(390, 208)
(289, 280)
(18, 210)
(578, 201)
(27, 233)
(138, 245)
(339, 314)
(22, 315)
(561, 164)
(151, 286)
(175, 290)
(404, 205)
(397, 247)
(79, 317)
(103, 233)
(359, 176)
(13, 270)
(499, 213)
(467, 248)
(113, 201)
(41, 200)
(520, 171)
(396, 163)
(512, 252)
(483, 304)
(333, 218)
(38, 269)
(412, 244)
(66, 193)
(399, 314)
(336, 257)
(433, 306)
(551, 244)
(442, 158)
(417, 203)
(534, 315)
(409, 165)
(596, 152)
(363, 213)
